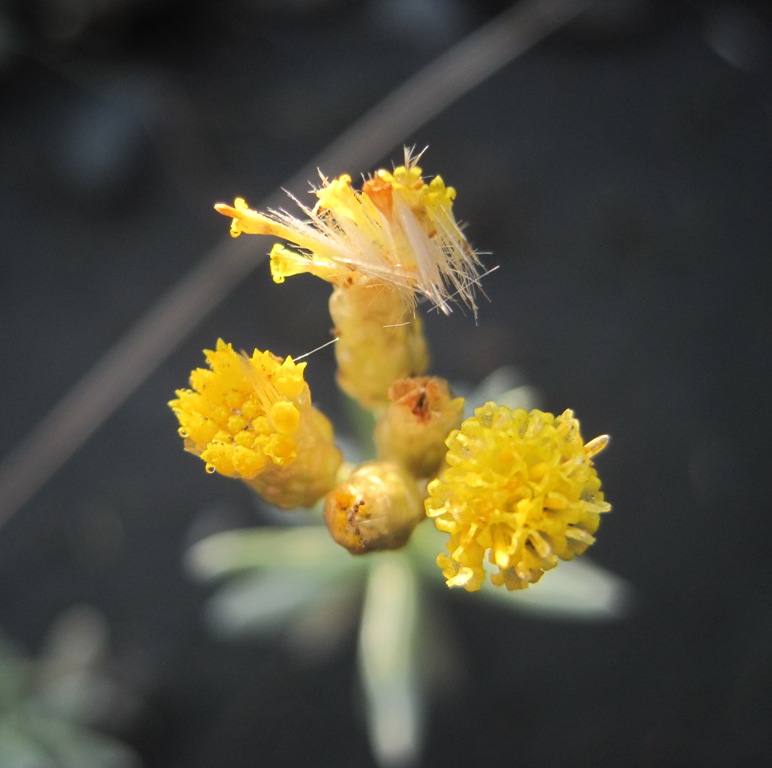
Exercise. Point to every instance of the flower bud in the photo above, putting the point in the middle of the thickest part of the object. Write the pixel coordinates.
(380, 340)
(377, 508)
(413, 428)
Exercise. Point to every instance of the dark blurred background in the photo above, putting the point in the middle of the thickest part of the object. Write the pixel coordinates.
(620, 175)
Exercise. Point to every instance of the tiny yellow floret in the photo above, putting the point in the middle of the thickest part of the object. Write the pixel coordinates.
(251, 418)
(397, 231)
(520, 487)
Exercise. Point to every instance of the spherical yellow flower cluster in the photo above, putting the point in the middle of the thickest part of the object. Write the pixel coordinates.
(252, 418)
(520, 486)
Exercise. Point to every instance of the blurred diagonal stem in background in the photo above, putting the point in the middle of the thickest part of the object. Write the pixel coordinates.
(134, 357)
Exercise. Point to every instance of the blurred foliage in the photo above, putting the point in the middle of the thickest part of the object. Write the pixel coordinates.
(54, 708)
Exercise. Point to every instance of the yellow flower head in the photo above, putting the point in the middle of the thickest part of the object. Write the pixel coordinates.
(397, 231)
(252, 418)
(520, 486)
